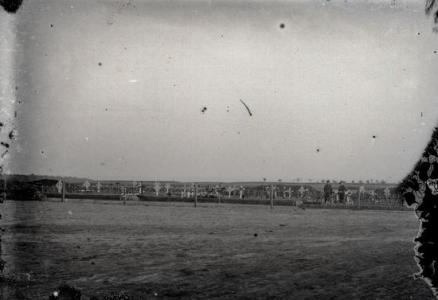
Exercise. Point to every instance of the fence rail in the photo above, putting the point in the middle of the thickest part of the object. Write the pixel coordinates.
(294, 202)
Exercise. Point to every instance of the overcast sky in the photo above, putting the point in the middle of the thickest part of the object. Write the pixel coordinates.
(115, 89)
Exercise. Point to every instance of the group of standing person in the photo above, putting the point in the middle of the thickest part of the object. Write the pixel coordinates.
(329, 193)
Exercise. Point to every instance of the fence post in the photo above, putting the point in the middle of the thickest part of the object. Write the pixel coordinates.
(271, 196)
(196, 195)
(358, 199)
(63, 191)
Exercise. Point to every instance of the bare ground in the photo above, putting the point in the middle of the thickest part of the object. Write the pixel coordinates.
(165, 250)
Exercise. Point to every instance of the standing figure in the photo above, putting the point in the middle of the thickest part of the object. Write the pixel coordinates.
(327, 192)
(348, 197)
(341, 192)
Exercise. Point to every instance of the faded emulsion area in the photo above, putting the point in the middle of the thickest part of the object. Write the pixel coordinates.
(420, 187)
(11, 6)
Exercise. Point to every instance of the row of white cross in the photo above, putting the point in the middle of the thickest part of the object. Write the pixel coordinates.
(188, 192)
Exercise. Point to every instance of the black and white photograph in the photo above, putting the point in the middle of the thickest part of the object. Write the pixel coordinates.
(218, 149)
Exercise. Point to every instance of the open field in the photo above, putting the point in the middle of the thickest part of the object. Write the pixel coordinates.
(172, 250)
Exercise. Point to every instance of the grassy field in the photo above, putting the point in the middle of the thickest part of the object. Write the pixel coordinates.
(172, 250)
